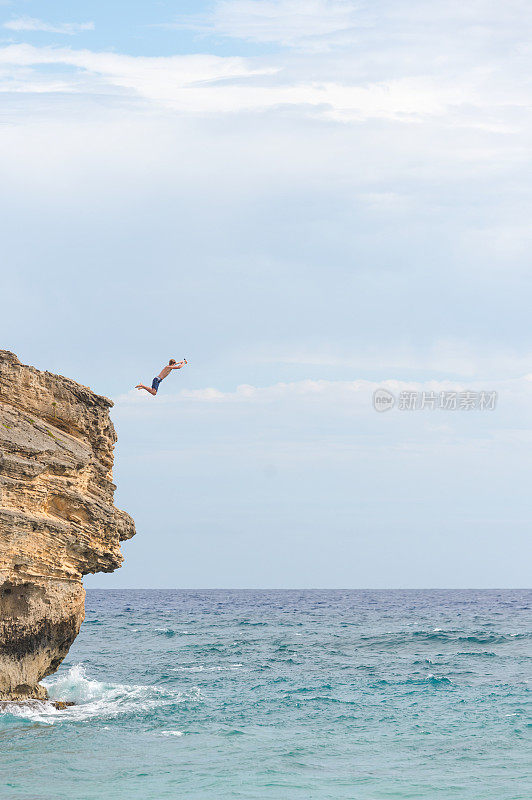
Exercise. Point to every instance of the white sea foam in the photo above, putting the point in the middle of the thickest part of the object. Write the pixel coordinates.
(172, 733)
(170, 632)
(94, 699)
(437, 678)
(201, 668)
(34, 710)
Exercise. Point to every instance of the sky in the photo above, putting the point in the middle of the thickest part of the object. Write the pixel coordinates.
(310, 200)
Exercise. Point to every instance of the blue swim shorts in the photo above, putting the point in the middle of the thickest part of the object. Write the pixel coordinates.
(155, 383)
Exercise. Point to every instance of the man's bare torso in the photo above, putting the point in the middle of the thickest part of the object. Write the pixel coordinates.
(164, 372)
(169, 367)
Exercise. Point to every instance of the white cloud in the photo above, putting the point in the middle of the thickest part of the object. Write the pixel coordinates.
(414, 28)
(338, 416)
(357, 393)
(415, 64)
(33, 24)
(287, 22)
(213, 84)
(246, 393)
(182, 82)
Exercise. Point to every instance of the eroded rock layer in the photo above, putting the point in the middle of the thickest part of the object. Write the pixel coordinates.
(57, 518)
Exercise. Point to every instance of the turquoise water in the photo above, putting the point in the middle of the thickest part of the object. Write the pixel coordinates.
(227, 694)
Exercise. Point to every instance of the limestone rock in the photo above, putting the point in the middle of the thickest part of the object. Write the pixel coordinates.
(57, 518)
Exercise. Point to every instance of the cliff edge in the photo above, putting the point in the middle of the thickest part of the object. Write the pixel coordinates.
(57, 518)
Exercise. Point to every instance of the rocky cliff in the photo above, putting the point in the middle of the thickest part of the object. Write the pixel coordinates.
(57, 518)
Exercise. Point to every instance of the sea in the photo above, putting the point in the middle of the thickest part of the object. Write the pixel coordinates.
(362, 695)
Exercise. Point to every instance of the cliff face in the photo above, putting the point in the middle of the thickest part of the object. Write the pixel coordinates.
(57, 518)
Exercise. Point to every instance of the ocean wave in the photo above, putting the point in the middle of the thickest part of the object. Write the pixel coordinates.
(431, 679)
(202, 668)
(477, 654)
(95, 699)
(456, 637)
(436, 680)
(35, 710)
(476, 638)
(170, 632)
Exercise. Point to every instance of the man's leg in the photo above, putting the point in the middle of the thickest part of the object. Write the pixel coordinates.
(148, 388)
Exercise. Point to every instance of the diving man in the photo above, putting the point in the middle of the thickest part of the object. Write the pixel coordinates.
(172, 364)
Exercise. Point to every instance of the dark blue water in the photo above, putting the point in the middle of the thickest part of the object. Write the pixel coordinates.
(291, 694)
